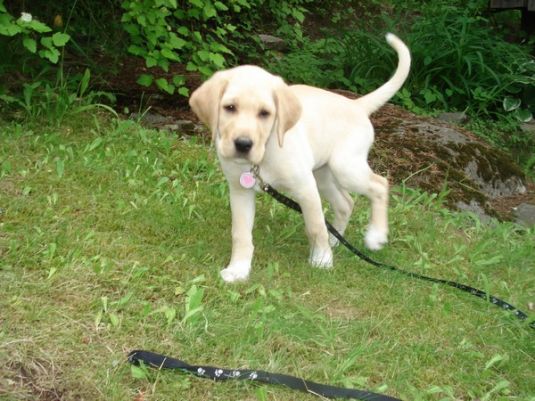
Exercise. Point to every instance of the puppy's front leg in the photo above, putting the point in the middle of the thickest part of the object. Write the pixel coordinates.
(320, 252)
(242, 204)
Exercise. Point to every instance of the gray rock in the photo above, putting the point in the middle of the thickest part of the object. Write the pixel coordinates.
(151, 120)
(525, 214)
(441, 134)
(272, 42)
(158, 121)
(454, 117)
(528, 127)
(432, 155)
(482, 166)
(476, 208)
(181, 125)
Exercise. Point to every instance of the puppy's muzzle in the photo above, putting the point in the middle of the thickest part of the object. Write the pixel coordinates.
(243, 145)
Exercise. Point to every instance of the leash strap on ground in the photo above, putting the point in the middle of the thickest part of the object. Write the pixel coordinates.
(471, 290)
(210, 372)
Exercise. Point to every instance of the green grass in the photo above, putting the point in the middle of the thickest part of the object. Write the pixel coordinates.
(112, 237)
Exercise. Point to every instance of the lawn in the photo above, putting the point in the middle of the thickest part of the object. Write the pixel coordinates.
(112, 237)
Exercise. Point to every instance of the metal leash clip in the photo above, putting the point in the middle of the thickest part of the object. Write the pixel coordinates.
(255, 171)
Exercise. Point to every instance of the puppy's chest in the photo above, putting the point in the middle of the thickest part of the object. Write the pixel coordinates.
(279, 177)
(285, 170)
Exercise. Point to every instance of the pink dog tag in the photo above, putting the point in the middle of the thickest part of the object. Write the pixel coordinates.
(247, 180)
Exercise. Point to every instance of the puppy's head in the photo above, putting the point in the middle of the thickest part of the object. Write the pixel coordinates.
(243, 106)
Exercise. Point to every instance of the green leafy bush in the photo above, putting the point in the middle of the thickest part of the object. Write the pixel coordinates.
(161, 32)
(314, 63)
(459, 62)
(203, 35)
(34, 36)
(24, 42)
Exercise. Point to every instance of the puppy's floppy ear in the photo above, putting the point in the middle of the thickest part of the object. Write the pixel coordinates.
(204, 101)
(288, 109)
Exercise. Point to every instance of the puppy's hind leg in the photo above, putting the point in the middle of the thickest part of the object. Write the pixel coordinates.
(339, 199)
(356, 176)
(377, 234)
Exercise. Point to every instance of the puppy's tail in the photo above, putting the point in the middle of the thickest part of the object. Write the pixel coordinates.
(374, 100)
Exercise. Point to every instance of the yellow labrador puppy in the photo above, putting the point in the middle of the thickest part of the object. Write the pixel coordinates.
(302, 140)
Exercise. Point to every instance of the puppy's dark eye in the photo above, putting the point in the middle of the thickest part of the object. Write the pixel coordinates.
(264, 113)
(230, 108)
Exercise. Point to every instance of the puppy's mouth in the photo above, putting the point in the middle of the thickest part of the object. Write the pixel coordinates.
(250, 158)
(241, 160)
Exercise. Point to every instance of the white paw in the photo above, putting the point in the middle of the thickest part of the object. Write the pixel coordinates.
(375, 238)
(237, 271)
(322, 258)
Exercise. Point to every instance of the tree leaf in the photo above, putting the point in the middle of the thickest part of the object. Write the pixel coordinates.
(37, 26)
(60, 39)
(179, 80)
(145, 80)
(511, 103)
(197, 3)
(523, 115)
(51, 54)
(298, 15)
(217, 59)
(150, 61)
(191, 66)
(184, 31)
(220, 6)
(169, 54)
(203, 55)
(183, 91)
(175, 42)
(47, 42)
(8, 29)
(165, 86)
(209, 11)
(30, 44)
(136, 50)
(206, 71)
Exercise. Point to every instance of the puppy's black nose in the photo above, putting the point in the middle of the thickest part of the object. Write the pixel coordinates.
(243, 145)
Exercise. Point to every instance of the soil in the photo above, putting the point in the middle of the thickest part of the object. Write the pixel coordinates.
(137, 98)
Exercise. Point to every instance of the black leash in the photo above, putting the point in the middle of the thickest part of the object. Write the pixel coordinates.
(210, 372)
(471, 290)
